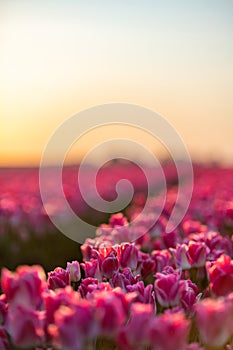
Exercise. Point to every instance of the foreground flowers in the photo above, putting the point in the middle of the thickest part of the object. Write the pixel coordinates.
(115, 303)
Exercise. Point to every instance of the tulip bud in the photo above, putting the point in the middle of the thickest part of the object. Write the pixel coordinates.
(74, 270)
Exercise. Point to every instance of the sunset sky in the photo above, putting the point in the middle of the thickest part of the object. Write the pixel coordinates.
(60, 57)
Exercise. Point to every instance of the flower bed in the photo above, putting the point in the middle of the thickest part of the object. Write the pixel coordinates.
(163, 291)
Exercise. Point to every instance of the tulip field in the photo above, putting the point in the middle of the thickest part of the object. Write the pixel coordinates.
(132, 286)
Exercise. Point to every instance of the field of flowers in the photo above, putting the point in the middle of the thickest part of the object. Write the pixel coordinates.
(158, 291)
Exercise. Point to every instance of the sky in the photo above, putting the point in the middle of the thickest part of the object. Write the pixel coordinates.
(60, 57)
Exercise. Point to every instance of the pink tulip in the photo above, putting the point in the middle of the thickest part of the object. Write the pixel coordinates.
(86, 249)
(218, 244)
(144, 294)
(145, 264)
(182, 257)
(73, 325)
(189, 295)
(128, 255)
(198, 253)
(24, 287)
(167, 289)
(54, 299)
(74, 270)
(118, 220)
(214, 322)
(190, 255)
(91, 269)
(191, 226)
(109, 313)
(162, 258)
(170, 239)
(126, 299)
(221, 275)
(134, 335)
(87, 286)
(124, 278)
(25, 326)
(59, 278)
(109, 265)
(169, 331)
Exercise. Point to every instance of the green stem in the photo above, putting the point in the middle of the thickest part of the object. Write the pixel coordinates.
(105, 344)
(207, 347)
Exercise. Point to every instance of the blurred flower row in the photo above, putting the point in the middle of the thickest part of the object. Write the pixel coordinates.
(26, 231)
(21, 207)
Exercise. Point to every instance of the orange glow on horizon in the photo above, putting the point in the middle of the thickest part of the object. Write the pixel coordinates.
(55, 63)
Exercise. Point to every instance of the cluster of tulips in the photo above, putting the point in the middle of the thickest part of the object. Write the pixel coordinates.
(147, 291)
